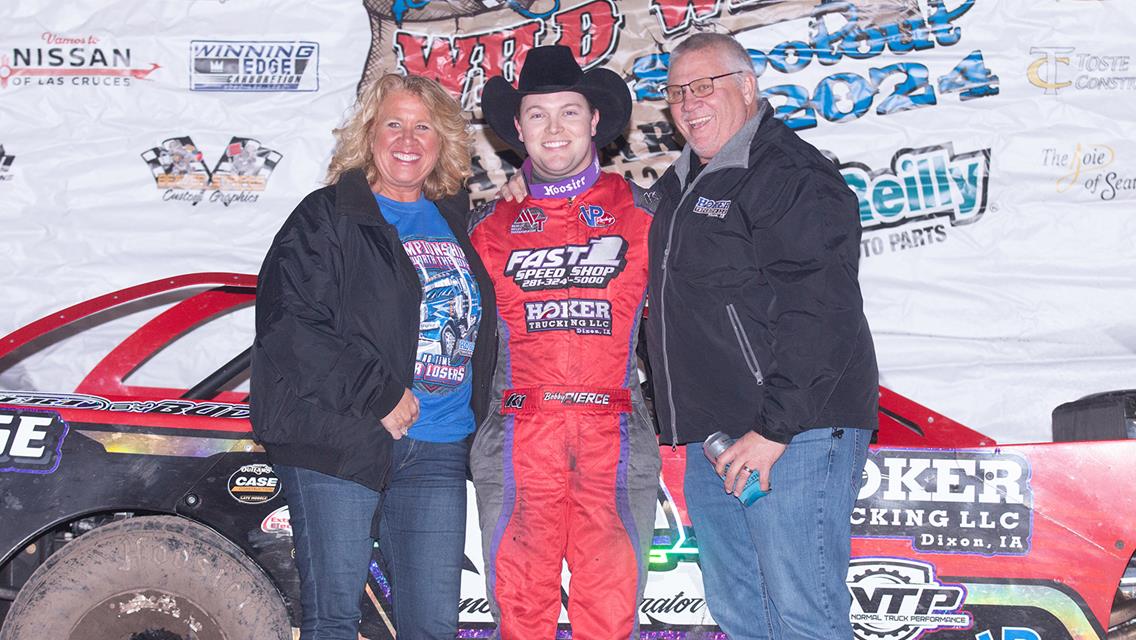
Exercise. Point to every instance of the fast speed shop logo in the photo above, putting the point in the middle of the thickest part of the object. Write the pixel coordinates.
(592, 265)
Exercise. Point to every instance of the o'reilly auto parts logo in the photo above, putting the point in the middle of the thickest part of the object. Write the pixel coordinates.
(254, 484)
(584, 316)
(180, 172)
(222, 65)
(901, 599)
(592, 265)
(31, 441)
(977, 502)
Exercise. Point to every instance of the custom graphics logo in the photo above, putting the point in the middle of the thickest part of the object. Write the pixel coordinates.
(529, 220)
(31, 441)
(5, 165)
(594, 216)
(254, 484)
(901, 599)
(179, 169)
(279, 520)
(71, 60)
(950, 502)
(1084, 166)
(711, 208)
(1057, 68)
(584, 316)
(921, 186)
(592, 265)
(219, 65)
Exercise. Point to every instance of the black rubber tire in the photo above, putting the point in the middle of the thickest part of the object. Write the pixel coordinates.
(154, 576)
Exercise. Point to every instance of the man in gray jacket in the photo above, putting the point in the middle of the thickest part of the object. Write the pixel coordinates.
(756, 329)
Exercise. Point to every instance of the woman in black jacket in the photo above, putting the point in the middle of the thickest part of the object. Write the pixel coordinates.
(369, 368)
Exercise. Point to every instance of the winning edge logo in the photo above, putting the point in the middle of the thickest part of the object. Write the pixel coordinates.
(180, 172)
(219, 65)
(901, 600)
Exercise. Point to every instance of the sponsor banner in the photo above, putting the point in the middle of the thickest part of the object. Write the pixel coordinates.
(254, 65)
(254, 484)
(977, 502)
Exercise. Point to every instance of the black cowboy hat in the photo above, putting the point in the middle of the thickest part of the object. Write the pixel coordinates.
(552, 69)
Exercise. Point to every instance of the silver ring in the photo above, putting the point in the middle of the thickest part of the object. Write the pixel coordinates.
(745, 467)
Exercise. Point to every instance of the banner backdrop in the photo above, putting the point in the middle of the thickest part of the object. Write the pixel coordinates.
(990, 143)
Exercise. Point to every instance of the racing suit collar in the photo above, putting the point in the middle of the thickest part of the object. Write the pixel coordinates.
(566, 187)
(733, 154)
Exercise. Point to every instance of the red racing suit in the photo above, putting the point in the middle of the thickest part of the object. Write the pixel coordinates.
(567, 466)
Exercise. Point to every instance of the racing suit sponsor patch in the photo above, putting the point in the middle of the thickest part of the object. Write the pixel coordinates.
(529, 220)
(592, 265)
(594, 216)
(582, 315)
(548, 398)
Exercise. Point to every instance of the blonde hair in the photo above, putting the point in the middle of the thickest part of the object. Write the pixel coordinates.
(353, 140)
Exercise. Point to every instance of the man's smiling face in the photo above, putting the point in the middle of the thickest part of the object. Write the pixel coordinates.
(557, 130)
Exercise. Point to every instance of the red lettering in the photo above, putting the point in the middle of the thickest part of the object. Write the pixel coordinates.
(677, 16)
(462, 63)
(590, 30)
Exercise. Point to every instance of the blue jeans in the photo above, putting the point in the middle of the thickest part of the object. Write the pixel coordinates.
(421, 540)
(777, 569)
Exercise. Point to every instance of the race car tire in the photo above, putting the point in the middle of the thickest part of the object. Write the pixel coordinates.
(148, 577)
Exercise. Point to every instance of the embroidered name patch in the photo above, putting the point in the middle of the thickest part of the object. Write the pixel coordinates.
(712, 208)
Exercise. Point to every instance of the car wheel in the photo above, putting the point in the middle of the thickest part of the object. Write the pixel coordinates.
(158, 577)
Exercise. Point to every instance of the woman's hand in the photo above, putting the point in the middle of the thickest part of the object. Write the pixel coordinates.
(515, 189)
(404, 414)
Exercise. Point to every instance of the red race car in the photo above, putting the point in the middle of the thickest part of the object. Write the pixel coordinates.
(149, 512)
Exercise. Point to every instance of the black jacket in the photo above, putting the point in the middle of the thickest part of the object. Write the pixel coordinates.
(337, 313)
(756, 320)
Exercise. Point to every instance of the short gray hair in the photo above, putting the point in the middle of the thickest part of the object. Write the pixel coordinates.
(725, 44)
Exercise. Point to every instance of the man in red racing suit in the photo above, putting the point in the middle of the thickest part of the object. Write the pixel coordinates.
(567, 466)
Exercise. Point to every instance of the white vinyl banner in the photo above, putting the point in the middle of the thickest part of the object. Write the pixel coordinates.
(991, 143)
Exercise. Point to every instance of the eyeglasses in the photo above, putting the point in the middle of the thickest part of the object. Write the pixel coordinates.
(699, 88)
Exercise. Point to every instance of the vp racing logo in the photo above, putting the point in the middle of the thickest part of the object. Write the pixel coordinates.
(592, 265)
(901, 599)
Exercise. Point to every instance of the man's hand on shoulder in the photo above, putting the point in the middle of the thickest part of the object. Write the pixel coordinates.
(515, 189)
(749, 453)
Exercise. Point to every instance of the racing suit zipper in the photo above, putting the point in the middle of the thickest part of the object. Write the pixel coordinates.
(748, 354)
(663, 314)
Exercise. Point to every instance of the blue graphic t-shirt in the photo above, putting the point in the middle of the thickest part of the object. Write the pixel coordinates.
(448, 320)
